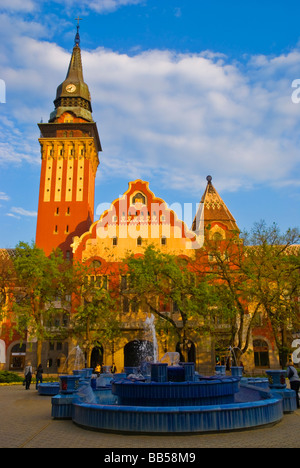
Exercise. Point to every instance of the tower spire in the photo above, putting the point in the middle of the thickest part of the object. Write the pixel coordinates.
(213, 210)
(77, 37)
(73, 94)
(69, 148)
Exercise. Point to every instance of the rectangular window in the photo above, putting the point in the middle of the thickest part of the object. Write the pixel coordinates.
(105, 282)
(125, 305)
(134, 306)
(124, 284)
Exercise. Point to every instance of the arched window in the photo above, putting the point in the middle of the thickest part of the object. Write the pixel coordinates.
(68, 118)
(95, 264)
(139, 198)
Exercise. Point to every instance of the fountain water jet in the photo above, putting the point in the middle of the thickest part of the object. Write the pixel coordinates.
(76, 355)
(150, 324)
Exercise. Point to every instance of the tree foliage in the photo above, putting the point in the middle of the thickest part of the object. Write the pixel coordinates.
(164, 283)
(41, 290)
(273, 265)
(95, 317)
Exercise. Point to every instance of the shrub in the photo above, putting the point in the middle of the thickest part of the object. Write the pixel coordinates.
(10, 377)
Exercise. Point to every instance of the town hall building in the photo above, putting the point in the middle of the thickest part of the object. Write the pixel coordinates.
(70, 149)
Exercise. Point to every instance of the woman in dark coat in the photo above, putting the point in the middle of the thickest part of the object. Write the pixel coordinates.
(39, 375)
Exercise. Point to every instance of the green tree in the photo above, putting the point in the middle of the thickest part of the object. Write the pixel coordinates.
(41, 289)
(223, 260)
(162, 281)
(273, 265)
(255, 273)
(95, 317)
(6, 280)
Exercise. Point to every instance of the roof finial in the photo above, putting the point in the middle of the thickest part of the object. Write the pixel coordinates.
(77, 37)
(209, 179)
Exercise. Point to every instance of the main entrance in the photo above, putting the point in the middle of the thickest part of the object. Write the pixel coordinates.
(17, 357)
(138, 351)
(97, 356)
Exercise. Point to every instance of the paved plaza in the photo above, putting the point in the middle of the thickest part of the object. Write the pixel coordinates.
(26, 423)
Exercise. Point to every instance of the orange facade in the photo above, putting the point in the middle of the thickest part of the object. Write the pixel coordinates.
(66, 199)
(70, 147)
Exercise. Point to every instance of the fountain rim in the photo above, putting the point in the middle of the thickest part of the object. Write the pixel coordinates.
(180, 409)
(225, 380)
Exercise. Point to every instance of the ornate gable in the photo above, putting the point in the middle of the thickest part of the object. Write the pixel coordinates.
(133, 221)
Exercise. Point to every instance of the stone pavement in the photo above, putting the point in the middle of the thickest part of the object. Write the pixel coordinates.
(25, 422)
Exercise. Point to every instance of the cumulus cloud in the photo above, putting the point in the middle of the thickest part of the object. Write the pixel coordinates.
(18, 5)
(195, 114)
(3, 196)
(175, 117)
(99, 6)
(110, 5)
(23, 212)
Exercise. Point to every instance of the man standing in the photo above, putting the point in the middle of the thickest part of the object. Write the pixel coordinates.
(28, 375)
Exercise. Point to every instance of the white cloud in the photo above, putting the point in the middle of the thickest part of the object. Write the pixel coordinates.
(110, 5)
(193, 114)
(18, 5)
(177, 117)
(22, 212)
(11, 215)
(99, 6)
(3, 196)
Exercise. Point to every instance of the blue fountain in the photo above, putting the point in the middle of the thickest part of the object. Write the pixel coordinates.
(170, 397)
(174, 399)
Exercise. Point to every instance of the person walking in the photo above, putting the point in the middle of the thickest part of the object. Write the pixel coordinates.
(294, 378)
(28, 375)
(39, 376)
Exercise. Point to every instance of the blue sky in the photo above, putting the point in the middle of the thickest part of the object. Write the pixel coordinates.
(180, 89)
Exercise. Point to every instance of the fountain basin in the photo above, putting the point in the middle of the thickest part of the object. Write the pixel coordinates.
(62, 406)
(220, 370)
(277, 378)
(206, 392)
(236, 371)
(131, 370)
(256, 381)
(49, 388)
(68, 383)
(179, 419)
(196, 405)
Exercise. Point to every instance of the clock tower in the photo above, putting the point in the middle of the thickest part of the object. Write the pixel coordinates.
(69, 151)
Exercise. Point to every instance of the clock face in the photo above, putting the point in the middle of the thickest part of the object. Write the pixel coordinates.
(70, 88)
